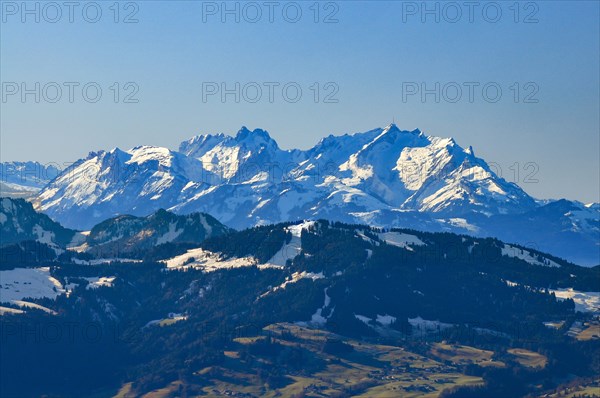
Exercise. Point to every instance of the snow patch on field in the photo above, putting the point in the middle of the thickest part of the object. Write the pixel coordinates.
(206, 225)
(171, 234)
(100, 261)
(43, 236)
(554, 324)
(386, 320)
(297, 229)
(584, 301)
(7, 310)
(400, 239)
(317, 318)
(207, 261)
(364, 237)
(363, 319)
(290, 250)
(296, 276)
(103, 281)
(78, 240)
(462, 223)
(527, 256)
(21, 283)
(27, 304)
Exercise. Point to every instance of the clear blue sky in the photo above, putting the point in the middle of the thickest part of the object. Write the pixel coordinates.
(374, 50)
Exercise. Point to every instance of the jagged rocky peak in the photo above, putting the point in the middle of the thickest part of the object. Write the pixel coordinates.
(392, 128)
(251, 140)
(200, 144)
(257, 134)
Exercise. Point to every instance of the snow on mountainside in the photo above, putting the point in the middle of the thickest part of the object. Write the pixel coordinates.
(25, 179)
(20, 222)
(382, 177)
(564, 228)
(383, 169)
(134, 236)
(245, 157)
(106, 184)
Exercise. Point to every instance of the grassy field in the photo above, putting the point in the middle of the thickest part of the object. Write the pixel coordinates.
(290, 360)
(463, 355)
(361, 369)
(528, 358)
(367, 370)
(125, 391)
(590, 390)
(591, 332)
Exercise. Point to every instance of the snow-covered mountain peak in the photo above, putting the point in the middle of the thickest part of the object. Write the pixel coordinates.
(383, 168)
(393, 136)
(255, 140)
(25, 179)
(394, 129)
(197, 146)
(146, 153)
(391, 128)
(113, 150)
(256, 135)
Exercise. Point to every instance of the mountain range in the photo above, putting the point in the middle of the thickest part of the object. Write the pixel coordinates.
(25, 179)
(384, 177)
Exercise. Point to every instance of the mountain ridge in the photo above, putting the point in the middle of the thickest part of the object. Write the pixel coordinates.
(383, 177)
(121, 237)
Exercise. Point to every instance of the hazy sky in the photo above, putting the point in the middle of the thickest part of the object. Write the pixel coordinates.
(369, 62)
